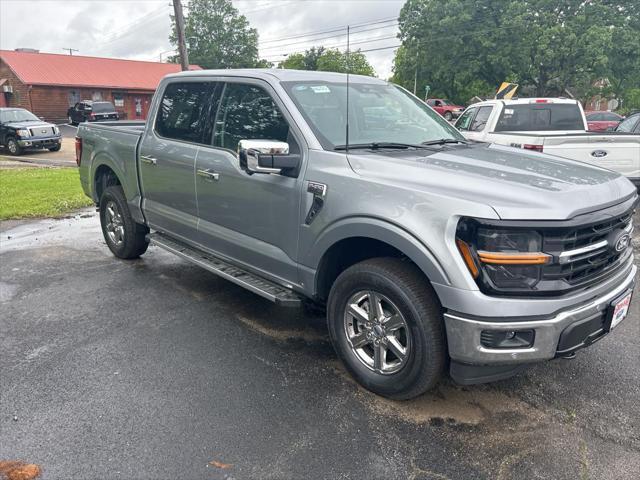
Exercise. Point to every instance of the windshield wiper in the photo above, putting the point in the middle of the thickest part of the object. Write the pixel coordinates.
(442, 141)
(379, 145)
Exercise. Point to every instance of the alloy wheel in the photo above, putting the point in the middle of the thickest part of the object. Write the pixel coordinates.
(114, 224)
(377, 332)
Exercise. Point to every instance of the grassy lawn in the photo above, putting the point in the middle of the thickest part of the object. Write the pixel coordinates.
(40, 192)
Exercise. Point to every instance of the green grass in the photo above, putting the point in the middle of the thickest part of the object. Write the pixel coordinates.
(40, 192)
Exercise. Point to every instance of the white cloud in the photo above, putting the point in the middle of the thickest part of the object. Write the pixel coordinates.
(139, 29)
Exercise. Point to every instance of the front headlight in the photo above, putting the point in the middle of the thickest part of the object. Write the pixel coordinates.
(501, 259)
(23, 132)
(56, 130)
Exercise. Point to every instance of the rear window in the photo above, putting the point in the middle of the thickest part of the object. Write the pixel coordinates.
(103, 107)
(183, 111)
(540, 116)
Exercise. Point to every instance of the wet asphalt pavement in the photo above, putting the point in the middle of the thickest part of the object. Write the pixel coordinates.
(154, 368)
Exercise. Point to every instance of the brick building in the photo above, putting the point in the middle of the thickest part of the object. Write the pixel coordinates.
(48, 84)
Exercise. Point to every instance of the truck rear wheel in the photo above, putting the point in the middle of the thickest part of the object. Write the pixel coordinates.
(385, 323)
(125, 238)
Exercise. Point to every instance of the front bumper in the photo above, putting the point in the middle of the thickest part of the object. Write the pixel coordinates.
(557, 335)
(40, 142)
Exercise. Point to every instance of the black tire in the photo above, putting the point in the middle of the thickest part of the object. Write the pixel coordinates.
(448, 116)
(132, 242)
(407, 289)
(56, 148)
(13, 147)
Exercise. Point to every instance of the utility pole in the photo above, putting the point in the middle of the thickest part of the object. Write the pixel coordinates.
(415, 78)
(71, 50)
(182, 46)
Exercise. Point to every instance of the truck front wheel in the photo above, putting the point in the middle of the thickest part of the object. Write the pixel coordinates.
(385, 323)
(125, 238)
(13, 146)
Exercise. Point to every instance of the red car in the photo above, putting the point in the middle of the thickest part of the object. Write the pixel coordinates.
(448, 110)
(602, 121)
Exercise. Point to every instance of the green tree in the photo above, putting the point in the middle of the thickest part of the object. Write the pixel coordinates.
(463, 48)
(217, 36)
(332, 60)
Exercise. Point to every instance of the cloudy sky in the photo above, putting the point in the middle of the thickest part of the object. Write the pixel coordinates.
(139, 29)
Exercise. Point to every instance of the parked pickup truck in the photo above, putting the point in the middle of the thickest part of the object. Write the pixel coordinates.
(426, 250)
(556, 126)
(20, 129)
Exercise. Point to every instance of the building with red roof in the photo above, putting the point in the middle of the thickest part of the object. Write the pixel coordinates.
(48, 84)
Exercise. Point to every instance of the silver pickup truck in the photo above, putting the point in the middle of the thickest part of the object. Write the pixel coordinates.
(428, 252)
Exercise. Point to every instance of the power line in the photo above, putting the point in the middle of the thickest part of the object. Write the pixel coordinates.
(337, 29)
(327, 37)
(128, 28)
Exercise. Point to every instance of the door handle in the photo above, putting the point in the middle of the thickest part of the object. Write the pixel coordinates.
(148, 160)
(209, 174)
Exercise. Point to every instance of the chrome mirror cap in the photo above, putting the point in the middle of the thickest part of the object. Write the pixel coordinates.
(249, 151)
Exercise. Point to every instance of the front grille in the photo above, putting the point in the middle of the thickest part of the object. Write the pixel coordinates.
(38, 131)
(592, 265)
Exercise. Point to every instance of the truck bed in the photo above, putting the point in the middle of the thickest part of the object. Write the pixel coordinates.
(112, 145)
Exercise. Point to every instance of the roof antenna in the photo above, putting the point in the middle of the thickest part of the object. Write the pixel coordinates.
(347, 117)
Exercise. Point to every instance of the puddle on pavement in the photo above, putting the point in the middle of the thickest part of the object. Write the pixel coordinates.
(79, 231)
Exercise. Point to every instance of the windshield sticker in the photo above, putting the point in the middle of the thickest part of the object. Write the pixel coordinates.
(508, 111)
(320, 89)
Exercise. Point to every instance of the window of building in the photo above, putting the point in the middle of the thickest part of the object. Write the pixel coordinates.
(96, 96)
(118, 99)
(73, 98)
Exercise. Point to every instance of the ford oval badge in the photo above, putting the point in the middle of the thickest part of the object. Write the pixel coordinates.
(622, 242)
(599, 153)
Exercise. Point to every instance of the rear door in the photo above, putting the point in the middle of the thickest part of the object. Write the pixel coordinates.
(250, 218)
(167, 156)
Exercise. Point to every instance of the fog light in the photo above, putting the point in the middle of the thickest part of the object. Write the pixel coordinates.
(507, 338)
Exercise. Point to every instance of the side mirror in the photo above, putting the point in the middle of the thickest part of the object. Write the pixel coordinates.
(267, 156)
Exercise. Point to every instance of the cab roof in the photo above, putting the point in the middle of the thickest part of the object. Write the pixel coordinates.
(281, 74)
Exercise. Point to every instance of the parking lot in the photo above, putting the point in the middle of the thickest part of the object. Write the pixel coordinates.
(157, 369)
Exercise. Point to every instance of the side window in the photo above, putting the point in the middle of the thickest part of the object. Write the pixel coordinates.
(431, 102)
(182, 111)
(610, 117)
(248, 112)
(464, 121)
(628, 124)
(480, 120)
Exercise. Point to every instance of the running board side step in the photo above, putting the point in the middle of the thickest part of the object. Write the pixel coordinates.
(266, 289)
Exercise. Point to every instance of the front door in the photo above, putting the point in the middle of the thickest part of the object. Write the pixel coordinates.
(250, 218)
(167, 157)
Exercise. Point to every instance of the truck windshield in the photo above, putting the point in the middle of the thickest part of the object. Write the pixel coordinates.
(17, 115)
(529, 117)
(103, 107)
(378, 113)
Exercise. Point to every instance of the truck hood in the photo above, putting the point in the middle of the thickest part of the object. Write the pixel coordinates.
(28, 124)
(517, 185)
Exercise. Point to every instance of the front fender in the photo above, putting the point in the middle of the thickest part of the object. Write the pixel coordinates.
(377, 229)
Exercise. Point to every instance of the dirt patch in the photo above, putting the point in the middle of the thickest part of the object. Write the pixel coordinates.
(18, 470)
(283, 334)
(446, 404)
